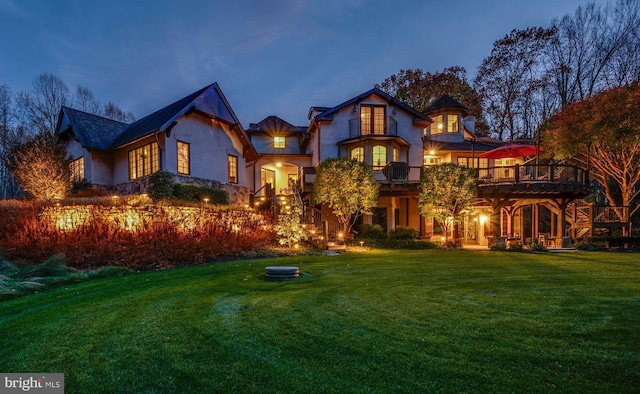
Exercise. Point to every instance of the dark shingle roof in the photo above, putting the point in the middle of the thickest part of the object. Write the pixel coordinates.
(328, 114)
(445, 102)
(104, 134)
(157, 120)
(92, 131)
(274, 123)
(478, 146)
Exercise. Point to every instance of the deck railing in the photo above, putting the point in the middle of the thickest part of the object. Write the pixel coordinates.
(532, 173)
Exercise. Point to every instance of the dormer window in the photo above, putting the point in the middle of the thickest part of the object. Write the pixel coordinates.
(447, 123)
(279, 142)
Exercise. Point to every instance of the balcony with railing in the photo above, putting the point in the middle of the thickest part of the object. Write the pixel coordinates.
(532, 179)
(359, 129)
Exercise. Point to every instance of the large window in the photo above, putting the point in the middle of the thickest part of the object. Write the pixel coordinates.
(379, 156)
(357, 153)
(448, 122)
(469, 162)
(279, 142)
(144, 161)
(233, 169)
(76, 169)
(372, 119)
(183, 158)
(452, 123)
(437, 125)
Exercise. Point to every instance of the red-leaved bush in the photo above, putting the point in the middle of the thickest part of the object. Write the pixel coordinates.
(139, 236)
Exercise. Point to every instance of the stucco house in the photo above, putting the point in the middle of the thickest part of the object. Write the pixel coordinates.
(198, 138)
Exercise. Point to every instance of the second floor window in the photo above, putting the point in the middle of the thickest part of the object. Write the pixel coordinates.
(357, 153)
(379, 156)
(143, 161)
(76, 169)
(396, 154)
(183, 158)
(279, 142)
(372, 119)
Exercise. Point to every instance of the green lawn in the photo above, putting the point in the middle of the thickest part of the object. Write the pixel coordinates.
(376, 321)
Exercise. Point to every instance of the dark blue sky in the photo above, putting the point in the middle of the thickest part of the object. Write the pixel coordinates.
(272, 57)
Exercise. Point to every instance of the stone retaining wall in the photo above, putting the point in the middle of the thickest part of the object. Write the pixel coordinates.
(238, 195)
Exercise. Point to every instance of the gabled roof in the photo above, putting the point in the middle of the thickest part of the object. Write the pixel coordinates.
(92, 131)
(274, 123)
(100, 133)
(207, 101)
(328, 114)
(446, 102)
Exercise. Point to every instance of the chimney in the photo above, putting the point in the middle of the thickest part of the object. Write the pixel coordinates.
(470, 123)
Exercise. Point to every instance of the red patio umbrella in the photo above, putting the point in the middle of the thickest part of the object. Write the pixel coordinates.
(510, 150)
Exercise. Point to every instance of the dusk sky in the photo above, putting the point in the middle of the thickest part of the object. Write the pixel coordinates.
(273, 57)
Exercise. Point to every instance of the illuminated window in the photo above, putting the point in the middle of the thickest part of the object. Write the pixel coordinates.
(143, 161)
(468, 162)
(437, 125)
(183, 158)
(76, 169)
(430, 160)
(372, 119)
(233, 169)
(452, 123)
(279, 142)
(357, 153)
(396, 154)
(379, 156)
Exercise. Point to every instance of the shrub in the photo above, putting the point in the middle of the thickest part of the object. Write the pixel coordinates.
(80, 185)
(136, 237)
(160, 185)
(197, 193)
(538, 247)
(616, 241)
(403, 233)
(413, 244)
(591, 246)
(500, 247)
(516, 247)
(372, 231)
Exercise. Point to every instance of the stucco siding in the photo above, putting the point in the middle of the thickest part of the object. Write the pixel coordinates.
(210, 143)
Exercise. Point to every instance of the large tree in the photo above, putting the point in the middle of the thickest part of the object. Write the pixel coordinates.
(512, 84)
(446, 191)
(602, 133)
(419, 89)
(348, 187)
(41, 105)
(595, 49)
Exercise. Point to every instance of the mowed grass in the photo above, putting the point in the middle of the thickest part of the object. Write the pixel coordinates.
(375, 321)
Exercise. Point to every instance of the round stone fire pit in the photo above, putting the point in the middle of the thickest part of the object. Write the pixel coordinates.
(282, 272)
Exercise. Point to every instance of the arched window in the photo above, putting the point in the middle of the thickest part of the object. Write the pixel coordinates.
(357, 153)
(379, 156)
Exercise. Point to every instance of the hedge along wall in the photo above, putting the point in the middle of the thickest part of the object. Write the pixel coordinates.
(139, 236)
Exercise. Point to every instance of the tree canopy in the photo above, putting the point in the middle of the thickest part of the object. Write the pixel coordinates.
(419, 89)
(446, 191)
(347, 187)
(602, 133)
(41, 166)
